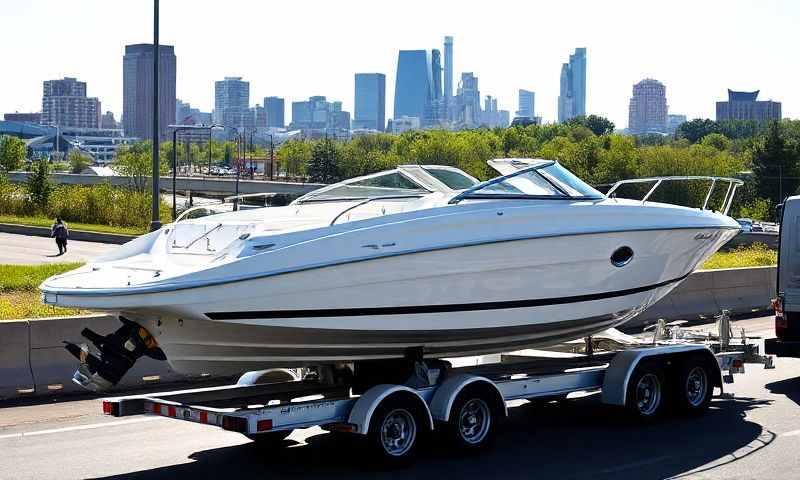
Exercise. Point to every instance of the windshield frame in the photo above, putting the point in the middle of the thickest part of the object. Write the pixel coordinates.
(471, 195)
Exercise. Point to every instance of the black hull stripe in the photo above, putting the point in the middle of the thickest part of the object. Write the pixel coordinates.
(447, 308)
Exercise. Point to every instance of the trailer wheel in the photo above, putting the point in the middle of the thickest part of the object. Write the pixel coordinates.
(473, 420)
(694, 388)
(645, 396)
(269, 439)
(395, 431)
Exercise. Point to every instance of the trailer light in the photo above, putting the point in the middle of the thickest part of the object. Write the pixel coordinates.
(157, 408)
(264, 425)
(171, 411)
(738, 363)
(203, 417)
(110, 408)
(342, 427)
(234, 424)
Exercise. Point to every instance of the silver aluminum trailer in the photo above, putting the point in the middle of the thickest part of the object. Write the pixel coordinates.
(465, 403)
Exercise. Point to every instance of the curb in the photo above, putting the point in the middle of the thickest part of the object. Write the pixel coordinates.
(80, 235)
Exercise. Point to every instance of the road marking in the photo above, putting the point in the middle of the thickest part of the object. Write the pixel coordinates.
(793, 433)
(80, 427)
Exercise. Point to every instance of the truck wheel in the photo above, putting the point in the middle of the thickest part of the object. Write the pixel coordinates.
(694, 389)
(395, 430)
(645, 396)
(473, 420)
(269, 439)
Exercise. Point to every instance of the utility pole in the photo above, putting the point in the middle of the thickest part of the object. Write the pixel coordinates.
(155, 222)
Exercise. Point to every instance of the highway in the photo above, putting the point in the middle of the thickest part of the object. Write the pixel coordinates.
(30, 250)
(755, 434)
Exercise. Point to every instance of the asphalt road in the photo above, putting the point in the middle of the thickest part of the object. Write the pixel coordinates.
(755, 434)
(31, 250)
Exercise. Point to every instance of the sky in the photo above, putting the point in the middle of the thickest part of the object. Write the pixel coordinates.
(296, 49)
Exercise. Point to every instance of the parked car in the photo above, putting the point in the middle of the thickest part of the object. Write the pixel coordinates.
(746, 224)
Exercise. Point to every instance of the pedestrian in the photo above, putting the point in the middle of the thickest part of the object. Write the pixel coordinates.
(61, 233)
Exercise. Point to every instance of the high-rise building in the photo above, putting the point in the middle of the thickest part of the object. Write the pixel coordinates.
(448, 73)
(32, 117)
(674, 121)
(413, 90)
(746, 106)
(526, 104)
(232, 104)
(572, 96)
(370, 101)
(468, 102)
(275, 111)
(491, 116)
(317, 117)
(137, 90)
(647, 111)
(65, 104)
(108, 122)
(185, 114)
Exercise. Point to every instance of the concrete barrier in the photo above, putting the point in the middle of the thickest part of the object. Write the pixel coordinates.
(80, 235)
(745, 239)
(15, 368)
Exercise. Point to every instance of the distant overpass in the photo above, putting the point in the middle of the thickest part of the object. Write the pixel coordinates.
(201, 185)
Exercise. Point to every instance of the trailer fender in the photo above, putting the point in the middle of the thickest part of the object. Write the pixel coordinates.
(446, 394)
(365, 406)
(621, 367)
(271, 375)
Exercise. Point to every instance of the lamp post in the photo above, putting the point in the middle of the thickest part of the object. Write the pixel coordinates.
(155, 221)
(175, 130)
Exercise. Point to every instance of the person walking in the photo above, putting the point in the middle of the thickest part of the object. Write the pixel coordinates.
(60, 232)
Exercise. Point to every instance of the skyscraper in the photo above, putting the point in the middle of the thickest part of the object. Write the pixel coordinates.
(413, 89)
(572, 96)
(275, 111)
(647, 112)
(137, 90)
(527, 104)
(370, 101)
(448, 68)
(65, 104)
(232, 103)
(468, 101)
(746, 106)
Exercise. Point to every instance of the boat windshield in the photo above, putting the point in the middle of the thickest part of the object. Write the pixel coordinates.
(545, 180)
(384, 184)
(452, 177)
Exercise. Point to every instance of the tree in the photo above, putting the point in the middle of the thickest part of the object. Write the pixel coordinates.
(294, 156)
(136, 162)
(12, 153)
(776, 164)
(716, 140)
(78, 160)
(323, 167)
(597, 124)
(39, 185)
(696, 129)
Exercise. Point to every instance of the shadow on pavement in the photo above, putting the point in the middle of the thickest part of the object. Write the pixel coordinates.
(789, 387)
(581, 438)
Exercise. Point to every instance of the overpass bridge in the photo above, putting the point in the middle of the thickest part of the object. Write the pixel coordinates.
(197, 184)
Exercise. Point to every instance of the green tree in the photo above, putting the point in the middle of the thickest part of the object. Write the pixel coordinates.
(136, 162)
(39, 185)
(293, 157)
(776, 164)
(78, 160)
(696, 129)
(323, 167)
(12, 153)
(717, 140)
(597, 124)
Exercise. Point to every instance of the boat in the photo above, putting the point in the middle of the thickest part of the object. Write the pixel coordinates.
(420, 260)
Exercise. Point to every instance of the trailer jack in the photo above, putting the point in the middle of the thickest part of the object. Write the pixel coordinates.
(118, 352)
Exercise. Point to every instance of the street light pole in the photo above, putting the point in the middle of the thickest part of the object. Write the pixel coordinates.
(174, 170)
(155, 222)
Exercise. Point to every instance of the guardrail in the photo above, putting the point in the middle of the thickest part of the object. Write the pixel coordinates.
(34, 362)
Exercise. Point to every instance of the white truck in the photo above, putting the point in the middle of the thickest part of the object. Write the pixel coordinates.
(787, 302)
(396, 405)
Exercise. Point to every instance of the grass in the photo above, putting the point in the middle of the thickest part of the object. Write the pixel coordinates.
(19, 294)
(756, 255)
(89, 227)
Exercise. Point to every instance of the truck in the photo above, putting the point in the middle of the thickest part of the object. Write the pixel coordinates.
(395, 406)
(787, 301)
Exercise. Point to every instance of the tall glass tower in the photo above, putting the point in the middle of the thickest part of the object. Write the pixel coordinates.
(413, 89)
(572, 96)
(370, 101)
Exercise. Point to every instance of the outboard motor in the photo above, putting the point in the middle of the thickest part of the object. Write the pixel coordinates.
(118, 352)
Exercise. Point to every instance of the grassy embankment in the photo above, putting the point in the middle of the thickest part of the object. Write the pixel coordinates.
(19, 292)
(89, 227)
(20, 298)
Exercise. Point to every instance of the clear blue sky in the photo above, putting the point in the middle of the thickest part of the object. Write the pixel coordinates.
(295, 49)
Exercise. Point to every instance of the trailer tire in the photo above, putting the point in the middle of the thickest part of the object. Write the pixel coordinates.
(269, 440)
(694, 387)
(397, 427)
(474, 418)
(646, 392)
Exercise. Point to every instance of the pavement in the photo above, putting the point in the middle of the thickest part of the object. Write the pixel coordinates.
(31, 250)
(754, 434)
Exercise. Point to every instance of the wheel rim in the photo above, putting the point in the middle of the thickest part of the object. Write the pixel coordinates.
(648, 394)
(696, 386)
(398, 432)
(474, 421)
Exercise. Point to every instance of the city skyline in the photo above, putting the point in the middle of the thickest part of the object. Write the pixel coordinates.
(614, 61)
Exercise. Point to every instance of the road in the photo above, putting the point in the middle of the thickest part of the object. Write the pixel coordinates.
(755, 434)
(30, 250)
